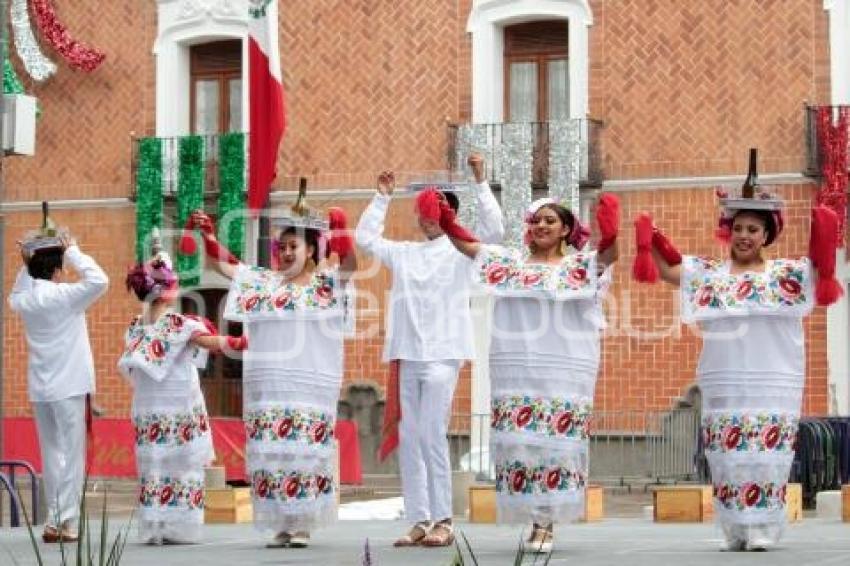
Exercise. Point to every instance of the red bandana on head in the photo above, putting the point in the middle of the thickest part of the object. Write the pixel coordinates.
(428, 204)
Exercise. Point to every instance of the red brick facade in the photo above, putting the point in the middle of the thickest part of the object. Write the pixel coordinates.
(683, 88)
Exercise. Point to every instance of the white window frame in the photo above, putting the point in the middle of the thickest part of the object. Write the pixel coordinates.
(486, 24)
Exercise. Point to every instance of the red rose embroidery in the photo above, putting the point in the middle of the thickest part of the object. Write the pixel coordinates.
(563, 422)
(154, 432)
(743, 290)
(732, 437)
(781, 493)
(553, 479)
(522, 416)
(166, 495)
(250, 302)
(202, 423)
(291, 487)
(578, 276)
(496, 273)
(142, 495)
(530, 279)
(771, 437)
(157, 349)
(724, 493)
(324, 294)
(197, 498)
(262, 488)
(282, 300)
(134, 344)
(175, 322)
(790, 288)
(496, 418)
(254, 428)
(322, 484)
(706, 436)
(517, 480)
(186, 432)
(318, 432)
(284, 427)
(752, 494)
(704, 296)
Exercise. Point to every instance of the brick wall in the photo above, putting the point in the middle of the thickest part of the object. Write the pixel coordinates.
(684, 89)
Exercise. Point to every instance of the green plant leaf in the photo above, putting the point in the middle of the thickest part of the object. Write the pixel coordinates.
(29, 530)
(469, 548)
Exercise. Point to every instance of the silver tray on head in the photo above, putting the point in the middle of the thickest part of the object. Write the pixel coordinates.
(443, 186)
(33, 245)
(306, 222)
(769, 204)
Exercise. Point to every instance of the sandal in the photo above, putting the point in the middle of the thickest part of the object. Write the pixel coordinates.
(441, 535)
(280, 540)
(415, 536)
(299, 539)
(540, 541)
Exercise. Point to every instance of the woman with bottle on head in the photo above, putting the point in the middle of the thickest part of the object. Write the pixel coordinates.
(544, 359)
(752, 367)
(173, 437)
(292, 370)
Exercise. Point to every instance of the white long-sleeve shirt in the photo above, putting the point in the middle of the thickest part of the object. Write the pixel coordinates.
(428, 315)
(60, 362)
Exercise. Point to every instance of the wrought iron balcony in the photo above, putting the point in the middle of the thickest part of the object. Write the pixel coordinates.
(814, 153)
(571, 145)
(158, 159)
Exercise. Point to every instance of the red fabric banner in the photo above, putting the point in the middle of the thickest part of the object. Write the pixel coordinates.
(113, 454)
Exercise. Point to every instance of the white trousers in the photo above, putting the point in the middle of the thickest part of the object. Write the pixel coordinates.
(427, 389)
(62, 437)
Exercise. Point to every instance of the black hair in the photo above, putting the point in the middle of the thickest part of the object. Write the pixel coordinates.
(44, 263)
(767, 219)
(452, 199)
(310, 235)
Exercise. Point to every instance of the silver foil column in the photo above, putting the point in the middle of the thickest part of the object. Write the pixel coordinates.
(515, 166)
(38, 66)
(566, 148)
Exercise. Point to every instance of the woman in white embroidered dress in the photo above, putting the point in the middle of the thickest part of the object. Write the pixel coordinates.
(752, 367)
(544, 358)
(173, 437)
(292, 370)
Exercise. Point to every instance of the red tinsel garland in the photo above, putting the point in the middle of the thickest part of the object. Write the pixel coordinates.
(78, 55)
(832, 146)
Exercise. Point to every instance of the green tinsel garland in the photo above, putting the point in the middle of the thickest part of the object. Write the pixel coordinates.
(231, 175)
(190, 197)
(148, 194)
(11, 83)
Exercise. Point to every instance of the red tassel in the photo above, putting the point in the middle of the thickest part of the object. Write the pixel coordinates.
(608, 218)
(449, 224)
(823, 242)
(341, 242)
(665, 248)
(428, 204)
(644, 268)
(188, 245)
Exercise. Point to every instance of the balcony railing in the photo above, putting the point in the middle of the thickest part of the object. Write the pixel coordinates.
(169, 148)
(813, 154)
(583, 140)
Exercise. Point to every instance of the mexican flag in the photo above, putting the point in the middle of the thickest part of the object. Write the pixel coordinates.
(266, 106)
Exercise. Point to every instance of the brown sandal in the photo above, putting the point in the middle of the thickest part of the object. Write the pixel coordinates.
(441, 535)
(414, 537)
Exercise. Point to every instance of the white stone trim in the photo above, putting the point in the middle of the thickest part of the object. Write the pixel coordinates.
(838, 315)
(486, 24)
(181, 24)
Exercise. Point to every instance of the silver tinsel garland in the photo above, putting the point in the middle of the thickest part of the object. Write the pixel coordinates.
(470, 138)
(566, 148)
(38, 66)
(515, 164)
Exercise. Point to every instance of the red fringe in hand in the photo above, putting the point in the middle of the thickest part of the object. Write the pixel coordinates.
(608, 218)
(823, 242)
(644, 268)
(665, 248)
(428, 204)
(449, 224)
(188, 245)
(341, 242)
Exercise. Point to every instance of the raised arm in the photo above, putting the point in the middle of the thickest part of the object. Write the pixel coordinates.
(490, 225)
(369, 233)
(222, 260)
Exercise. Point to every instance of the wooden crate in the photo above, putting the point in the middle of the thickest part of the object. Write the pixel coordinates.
(845, 503)
(794, 502)
(228, 505)
(594, 503)
(682, 504)
(482, 503)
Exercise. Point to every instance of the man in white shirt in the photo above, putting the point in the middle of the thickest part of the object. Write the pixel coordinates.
(429, 331)
(60, 369)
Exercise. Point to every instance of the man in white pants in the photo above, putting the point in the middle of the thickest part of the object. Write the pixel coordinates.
(430, 334)
(60, 368)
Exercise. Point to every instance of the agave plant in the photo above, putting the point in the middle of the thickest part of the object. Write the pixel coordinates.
(459, 560)
(104, 553)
